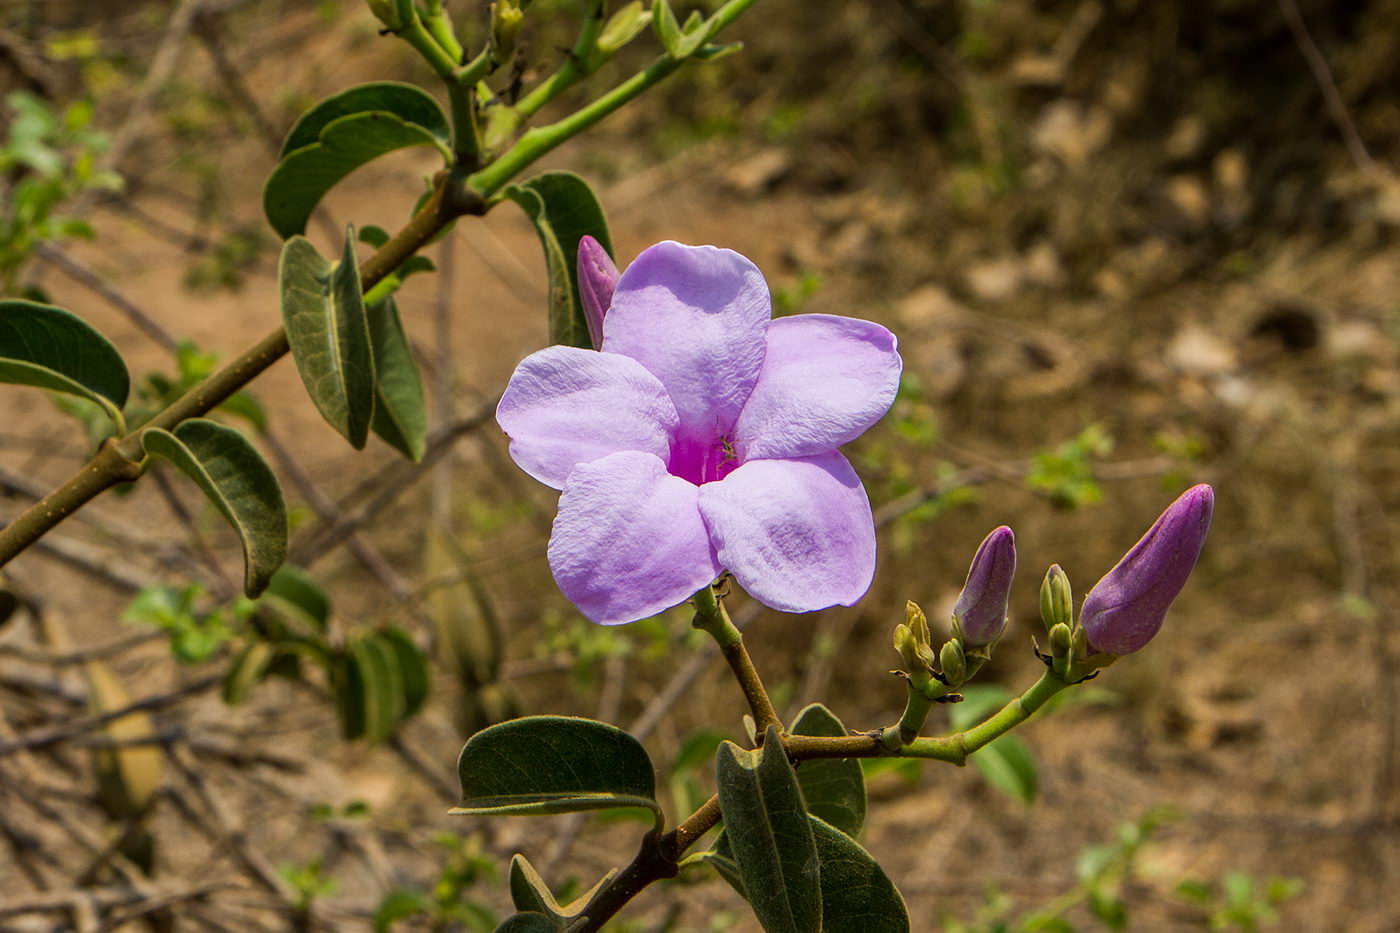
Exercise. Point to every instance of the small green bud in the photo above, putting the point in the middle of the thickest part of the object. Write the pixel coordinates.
(1056, 598)
(386, 12)
(1079, 643)
(927, 656)
(953, 662)
(623, 27)
(918, 623)
(506, 17)
(1061, 644)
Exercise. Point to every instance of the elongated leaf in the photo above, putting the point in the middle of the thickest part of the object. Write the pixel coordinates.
(47, 347)
(350, 696)
(563, 208)
(294, 593)
(413, 668)
(767, 827)
(400, 409)
(834, 788)
(857, 896)
(406, 101)
(554, 764)
(1009, 766)
(383, 686)
(303, 177)
(247, 669)
(240, 484)
(329, 334)
(530, 893)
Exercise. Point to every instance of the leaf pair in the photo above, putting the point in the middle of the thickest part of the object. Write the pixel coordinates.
(355, 361)
(799, 872)
(380, 679)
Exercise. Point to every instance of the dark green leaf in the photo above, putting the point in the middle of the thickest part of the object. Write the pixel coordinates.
(1009, 767)
(294, 591)
(305, 174)
(768, 829)
(530, 893)
(405, 101)
(400, 409)
(413, 668)
(834, 788)
(563, 209)
(329, 334)
(44, 346)
(526, 923)
(350, 696)
(554, 764)
(857, 897)
(240, 484)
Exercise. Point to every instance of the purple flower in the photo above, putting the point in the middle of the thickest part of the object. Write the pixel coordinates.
(1126, 608)
(597, 278)
(981, 607)
(702, 438)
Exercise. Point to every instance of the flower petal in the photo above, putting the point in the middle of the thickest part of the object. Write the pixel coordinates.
(825, 380)
(628, 541)
(695, 317)
(797, 534)
(565, 406)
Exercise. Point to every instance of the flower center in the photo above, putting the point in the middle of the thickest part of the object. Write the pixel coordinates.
(703, 461)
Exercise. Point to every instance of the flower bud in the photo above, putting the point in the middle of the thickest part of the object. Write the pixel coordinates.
(918, 622)
(506, 17)
(1061, 644)
(1056, 598)
(952, 662)
(597, 278)
(908, 650)
(980, 613)
(1126, 608)
(386, 13)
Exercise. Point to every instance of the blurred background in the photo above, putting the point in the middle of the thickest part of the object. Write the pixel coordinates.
(1126, 247)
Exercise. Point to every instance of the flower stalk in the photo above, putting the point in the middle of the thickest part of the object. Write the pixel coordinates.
(712, 618)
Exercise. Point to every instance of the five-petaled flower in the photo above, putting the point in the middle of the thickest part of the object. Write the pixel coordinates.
(702, 436)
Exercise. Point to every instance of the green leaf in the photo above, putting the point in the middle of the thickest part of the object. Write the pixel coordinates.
(303, 176)
(857, 896)
(329, 334)
(834, 788)
(400, 409)
(413, 668)
(293, 591)
(1009, 767)
(350, 696)
(246, 670)
(384, 700)
(668, 28)
(768, 829)
(526, 923)
(530, 893)
(563, 209)
(399, 904)
(554, 764)
(240, 484)
(47, 347)
(405, 101)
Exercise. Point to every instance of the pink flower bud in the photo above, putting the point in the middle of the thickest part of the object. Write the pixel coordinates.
(1126, 608)
(597, 278)
(981, 608)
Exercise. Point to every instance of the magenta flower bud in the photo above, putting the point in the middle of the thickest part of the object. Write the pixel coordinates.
(597, 278)
(1126, 608)
(980, 611)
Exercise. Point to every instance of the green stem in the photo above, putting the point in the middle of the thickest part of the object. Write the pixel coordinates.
(534, 143)
(439, 26)
(711, 617)
(466, 134)
(582, 61)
